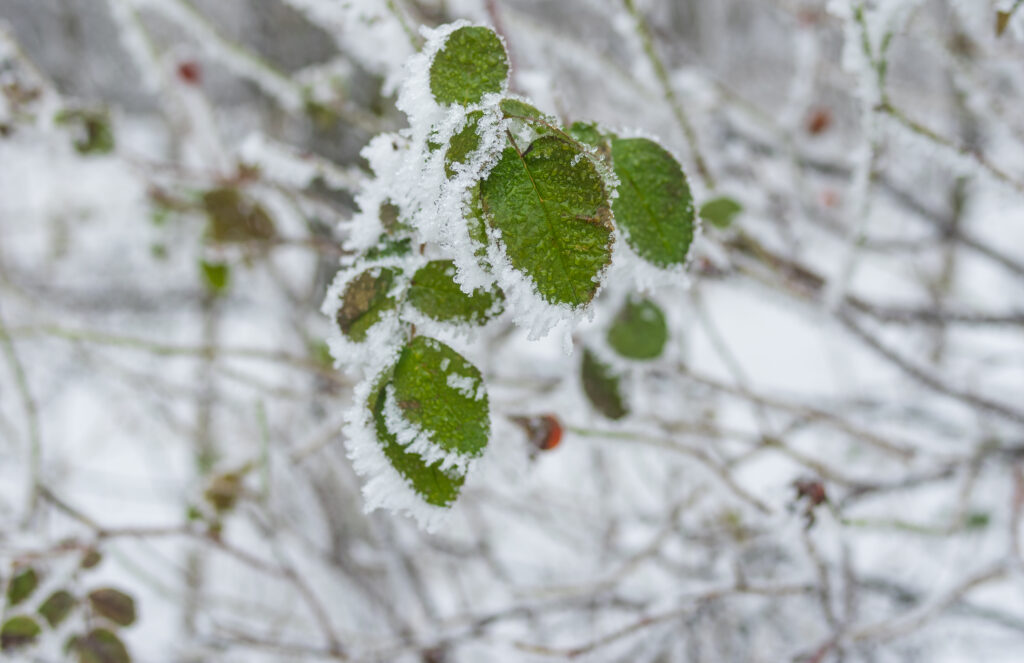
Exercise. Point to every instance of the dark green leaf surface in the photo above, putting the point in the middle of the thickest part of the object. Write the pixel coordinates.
(113, 604)
(601, 386)
(639, 330)
(436, 486)
(364, 302)
(57, 607)
(720, 212)
(654, 207)
(434, 292)
(463, 143)
(552, 210)
(471, 64)
(22, 585)
(18, 632)
(457, 419)
(99, 646)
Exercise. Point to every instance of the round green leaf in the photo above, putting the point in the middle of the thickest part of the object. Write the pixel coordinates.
(22, 585)
(720, 212)
(442, 394)
(654, 207)
(113, 604)
(365, 301)
(18, 632)
(552, 210)
(601, 386)
(463, 144)
(436, 486)
(99, 646)
(434, 292)
(57, 607)
(471, 63)
(639, 330)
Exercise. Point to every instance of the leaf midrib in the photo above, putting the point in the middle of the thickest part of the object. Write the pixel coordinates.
(551, 228)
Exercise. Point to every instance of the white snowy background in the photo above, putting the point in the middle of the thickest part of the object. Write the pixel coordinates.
(861, 327)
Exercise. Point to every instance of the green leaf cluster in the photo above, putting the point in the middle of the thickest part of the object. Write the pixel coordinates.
(548, 205)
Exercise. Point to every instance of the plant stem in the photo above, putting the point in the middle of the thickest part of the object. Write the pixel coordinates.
(670, 95)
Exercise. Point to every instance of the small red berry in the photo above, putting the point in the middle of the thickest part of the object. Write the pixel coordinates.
(819, 120)
(188, 71)
(543, 431)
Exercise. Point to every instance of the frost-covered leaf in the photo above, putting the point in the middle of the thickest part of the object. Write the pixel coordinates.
(654, 207)
(57, 607)
(21, 586)
(114, 605)
(463, 143)
(552, 209)
(472, 63)
(434, 291)
(99, 646)
(365, 300)
(436, 486)
(720, 211)
(443, 395)
(235, 218)
(216, 276)
(602, 386)
(589, 133)
(639, 330)
(388, 247)
(18, 632)
(522, 112)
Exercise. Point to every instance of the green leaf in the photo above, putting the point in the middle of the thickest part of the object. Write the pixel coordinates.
(654, 207)
(94, 134)
(602, 386)
(463, 143)
(389, 217)
(1002, 21)
(434, 292)
(720, 212)
(57, 607)
(234, 218)
(388, 247)
(215, 275)
(436, 486)
(91, 559)
(365, 301)
(99, 646)
(442, 394)
(552, 210)
(113, 604)
(22, 585)
(639, 330)
(590, 134)
(471, 64)
(514, 109)
(18, 632)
